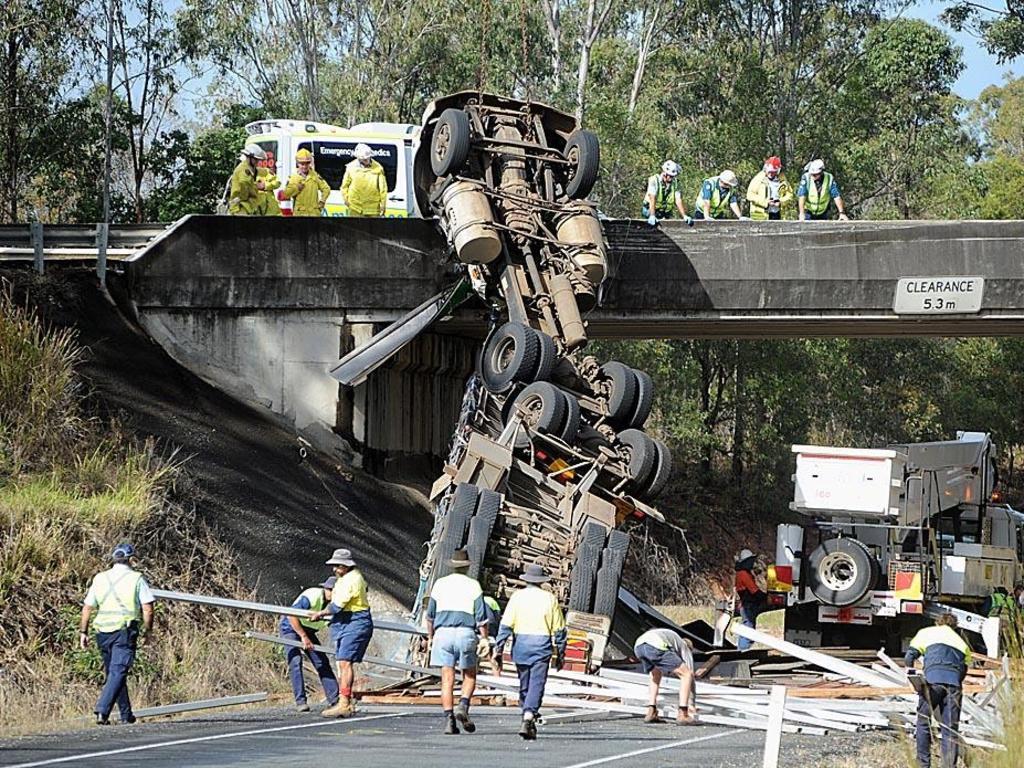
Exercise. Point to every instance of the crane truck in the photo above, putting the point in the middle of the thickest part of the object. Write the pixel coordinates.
(893, 537)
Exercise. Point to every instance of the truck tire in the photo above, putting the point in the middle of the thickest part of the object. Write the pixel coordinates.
(547, 357)
(623, 395)
(511, 354)
(661, 473)
(571, 428)
(618, 541)
(609, 575)
(546, 410)
(644, 399)
(480, 528)
(449, 146)
(583, 151)
(460, 511)
(642, 455)
(584, 570)
(841, 572)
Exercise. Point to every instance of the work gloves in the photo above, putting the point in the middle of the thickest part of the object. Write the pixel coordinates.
(688, 220)
(652, 220)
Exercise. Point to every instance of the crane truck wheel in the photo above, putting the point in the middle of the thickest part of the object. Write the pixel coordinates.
(545, 408)
(449, 146)
(841, 572)
(622, 391)
(583, 151)
(512, 353)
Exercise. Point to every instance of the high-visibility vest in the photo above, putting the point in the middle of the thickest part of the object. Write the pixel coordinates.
(317, 600)
(664, 199)
(719, 202)
(117, 597)
(818, 200)
(1001, 604)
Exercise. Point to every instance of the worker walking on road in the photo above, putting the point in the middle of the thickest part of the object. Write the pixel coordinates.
(244, 188)
(351, 626)
(663, 652)
(816, 191)
(752, 598)
(305, 631)
(306, 188)
(534, 622)
(119, 604)
(364, 188)
(716, 196)
(769, 191)
(664, 193)
(946, 657)
(457, 632)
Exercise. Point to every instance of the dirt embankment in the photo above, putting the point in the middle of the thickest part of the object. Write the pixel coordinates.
(243, 472)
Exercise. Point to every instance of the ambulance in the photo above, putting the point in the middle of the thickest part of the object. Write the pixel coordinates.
(393, 145)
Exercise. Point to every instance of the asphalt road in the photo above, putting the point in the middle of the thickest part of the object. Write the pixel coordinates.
(411, 738)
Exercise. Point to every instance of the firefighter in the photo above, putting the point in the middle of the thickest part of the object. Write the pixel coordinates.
(364, 187)
(244, 188)
(306, 188)
(769, 191)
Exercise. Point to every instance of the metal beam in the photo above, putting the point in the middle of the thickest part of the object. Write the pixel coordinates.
(330, 652)
(194, 706)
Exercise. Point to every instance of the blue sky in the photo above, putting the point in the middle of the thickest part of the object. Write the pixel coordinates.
(980, 69)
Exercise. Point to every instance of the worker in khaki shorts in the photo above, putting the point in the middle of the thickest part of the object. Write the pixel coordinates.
(457, 631)
(663, 652)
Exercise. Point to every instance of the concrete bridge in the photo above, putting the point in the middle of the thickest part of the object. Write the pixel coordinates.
(263, 307)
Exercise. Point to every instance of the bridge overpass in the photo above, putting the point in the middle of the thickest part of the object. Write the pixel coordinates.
(262, 307)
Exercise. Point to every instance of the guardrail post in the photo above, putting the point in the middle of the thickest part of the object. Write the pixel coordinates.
(102, 235)
(773, 736)
(36, 230)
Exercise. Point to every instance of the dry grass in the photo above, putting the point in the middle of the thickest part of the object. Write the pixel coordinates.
(771, 622)
(71, 487)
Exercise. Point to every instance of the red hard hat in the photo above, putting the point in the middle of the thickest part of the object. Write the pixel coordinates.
(773, 163)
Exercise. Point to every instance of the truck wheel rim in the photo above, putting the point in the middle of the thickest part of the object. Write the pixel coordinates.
(574, 161)
(441, 140)
(503, 354)
(533, 405)
(838, 571)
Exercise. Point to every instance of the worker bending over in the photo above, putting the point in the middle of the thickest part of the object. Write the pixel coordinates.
(753, 599)
(244, 187)
(663, 652)
(305, 631)
(664, 193)
(716, 196)
(946, 657)
(306, 188)
(816, 191)
(455, 615)
(351, 626)
(119, 604)
(534, 622)
(364, 188)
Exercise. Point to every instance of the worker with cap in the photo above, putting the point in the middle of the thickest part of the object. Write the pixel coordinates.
(119, 604)
(534, 622)
(457, 632)
(752, 597)
(351, 626)
(816, 191)
(306, 188)
(716, 196)
(663, 652)
(946, 657)
(664, 192)
(244, 188)
(304, 631)
(769, 191)
(364, 188)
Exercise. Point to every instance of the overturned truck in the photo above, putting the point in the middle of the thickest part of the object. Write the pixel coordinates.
(549, 457)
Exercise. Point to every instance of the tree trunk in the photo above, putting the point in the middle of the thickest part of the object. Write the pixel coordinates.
(738, 424)
(553, 20)
(591, 31)
(642, 54)
(11, 88)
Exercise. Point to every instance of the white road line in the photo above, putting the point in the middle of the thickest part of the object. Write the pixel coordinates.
(198, 739)
(670, 745)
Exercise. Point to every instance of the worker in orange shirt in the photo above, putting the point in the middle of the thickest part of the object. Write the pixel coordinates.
(752, 597)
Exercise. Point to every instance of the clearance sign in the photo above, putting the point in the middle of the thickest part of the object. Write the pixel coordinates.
(938, 295)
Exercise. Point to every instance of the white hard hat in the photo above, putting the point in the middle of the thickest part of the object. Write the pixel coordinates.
(816, 166)
(743, 555)
(728, 178)
(363, 152)
(254, 150)
(670, 167)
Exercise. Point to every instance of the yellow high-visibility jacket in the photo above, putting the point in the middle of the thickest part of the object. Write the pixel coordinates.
(268, 197)
(758, 195)
(365, 189)
(243, 198)
(309, 193)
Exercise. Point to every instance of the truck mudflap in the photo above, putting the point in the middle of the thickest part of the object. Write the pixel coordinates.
(357, 365)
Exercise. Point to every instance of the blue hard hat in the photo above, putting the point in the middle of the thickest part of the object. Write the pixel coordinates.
(123, 552)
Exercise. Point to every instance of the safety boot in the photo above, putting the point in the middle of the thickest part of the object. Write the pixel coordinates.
(528, 730)
(651, 715)
(343, 708)
(450, 728)
(462, 715)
